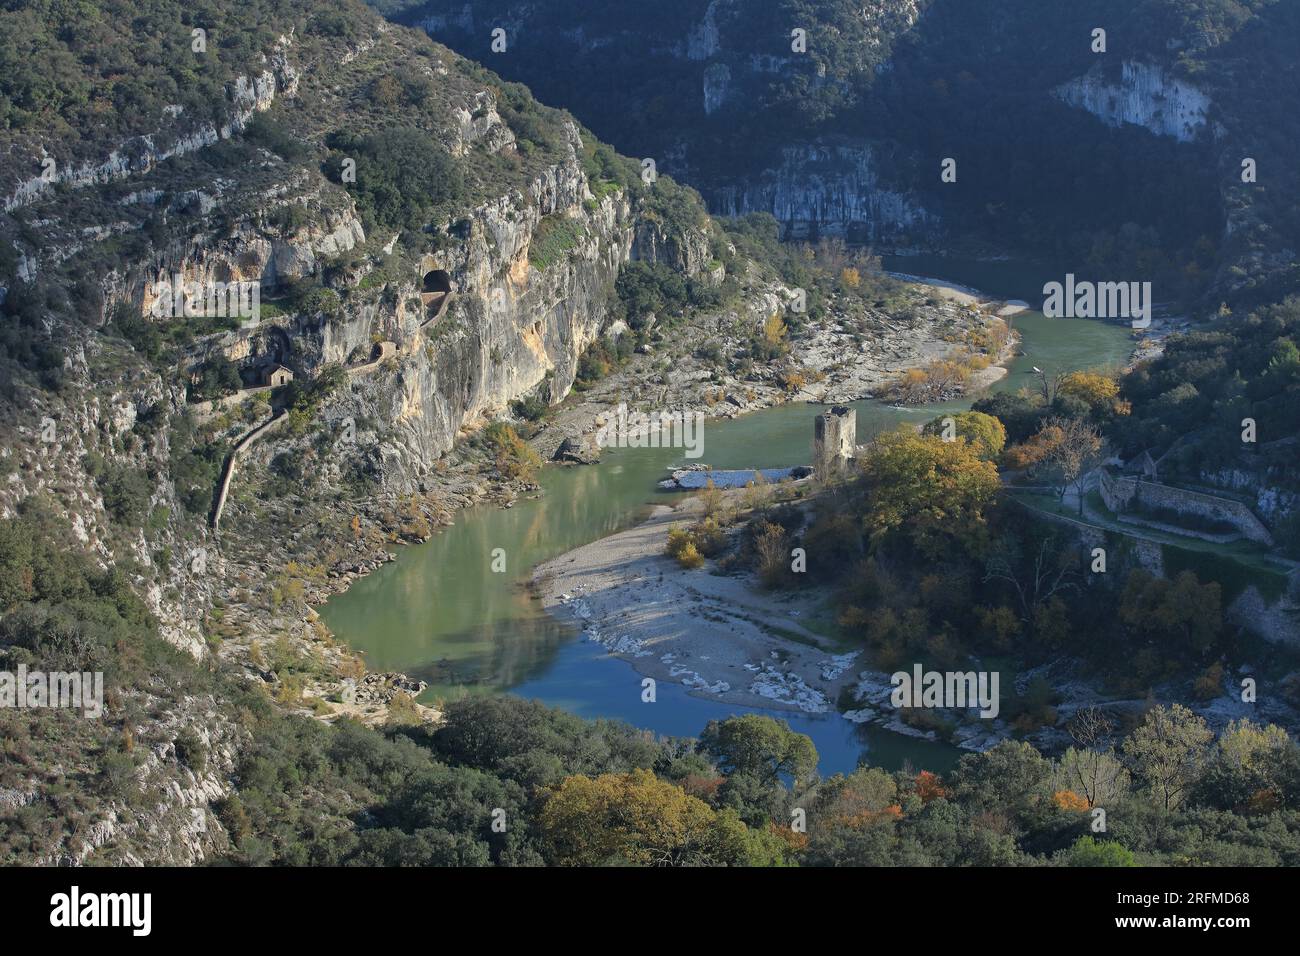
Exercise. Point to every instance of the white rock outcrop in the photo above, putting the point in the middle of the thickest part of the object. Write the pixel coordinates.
(1144, 95)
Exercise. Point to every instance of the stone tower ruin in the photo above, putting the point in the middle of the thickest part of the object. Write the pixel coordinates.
(834, 439)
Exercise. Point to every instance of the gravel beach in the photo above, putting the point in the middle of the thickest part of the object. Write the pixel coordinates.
(719, 635)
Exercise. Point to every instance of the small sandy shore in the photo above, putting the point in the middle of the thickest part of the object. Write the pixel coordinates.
(964, 295)
(942, 288)
(720, 636)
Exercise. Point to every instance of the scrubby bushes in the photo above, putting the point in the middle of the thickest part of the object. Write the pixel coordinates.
(274, 135)
(59, 611)
(600, 359)
(647, 289)
(194, 465)
(936, 381)
(682, 548)
(514, 458)
(402, 175)
(657, 291)
(217, 377)
(554, 237)
(1205, 383)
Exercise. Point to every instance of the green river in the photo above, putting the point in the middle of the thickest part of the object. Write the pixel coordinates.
(438, 614)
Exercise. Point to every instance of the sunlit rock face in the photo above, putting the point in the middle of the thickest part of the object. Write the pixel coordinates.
(1143, 95)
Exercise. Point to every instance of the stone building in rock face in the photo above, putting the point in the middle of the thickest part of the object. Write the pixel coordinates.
(276, 376)
(834, 440)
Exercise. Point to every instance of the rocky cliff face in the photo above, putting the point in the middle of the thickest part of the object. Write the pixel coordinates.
(735, 70)
(438, 329)
(827, 190)
(1142, 95)
(177, 135)
(718, 40)
(513, 327)
(827, 138)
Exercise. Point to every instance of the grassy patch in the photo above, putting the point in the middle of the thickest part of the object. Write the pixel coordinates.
(1234, 573)
(555, 236)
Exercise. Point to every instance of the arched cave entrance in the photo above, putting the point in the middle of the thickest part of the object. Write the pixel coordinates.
(435, 289)
(269, 350)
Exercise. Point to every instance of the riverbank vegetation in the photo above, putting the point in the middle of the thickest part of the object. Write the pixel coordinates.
(950, 377)
(934, 560)
(513, 457)
(509, 782)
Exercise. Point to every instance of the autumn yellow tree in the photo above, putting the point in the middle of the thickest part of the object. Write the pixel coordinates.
(985, 432)
(1100, 392)
(793, 379)
(639, 820)
(930, 490)
(774, 332)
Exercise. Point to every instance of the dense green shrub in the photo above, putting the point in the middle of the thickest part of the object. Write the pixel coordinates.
(403, 176)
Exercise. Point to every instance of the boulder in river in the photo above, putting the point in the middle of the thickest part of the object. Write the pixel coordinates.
(579, 450)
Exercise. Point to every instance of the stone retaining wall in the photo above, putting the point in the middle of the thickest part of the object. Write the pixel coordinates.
(1120, 493)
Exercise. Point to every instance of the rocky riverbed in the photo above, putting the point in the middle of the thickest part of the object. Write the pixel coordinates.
(724, 638)
(715, 634)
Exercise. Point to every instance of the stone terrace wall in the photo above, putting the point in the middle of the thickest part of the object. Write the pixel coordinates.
(1119, 493)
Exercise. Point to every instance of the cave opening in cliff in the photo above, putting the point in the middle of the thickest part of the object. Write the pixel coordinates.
(437, 280)
(435, 289)
(270, 350)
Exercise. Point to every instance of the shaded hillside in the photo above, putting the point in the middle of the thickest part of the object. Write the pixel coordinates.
(1062, 152)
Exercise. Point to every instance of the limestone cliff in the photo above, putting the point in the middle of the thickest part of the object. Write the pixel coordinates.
(177, 133)
(512, 327)
(834, 117)
(1143, 95)
(828, 190)
(720, 73)
(433, 325)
